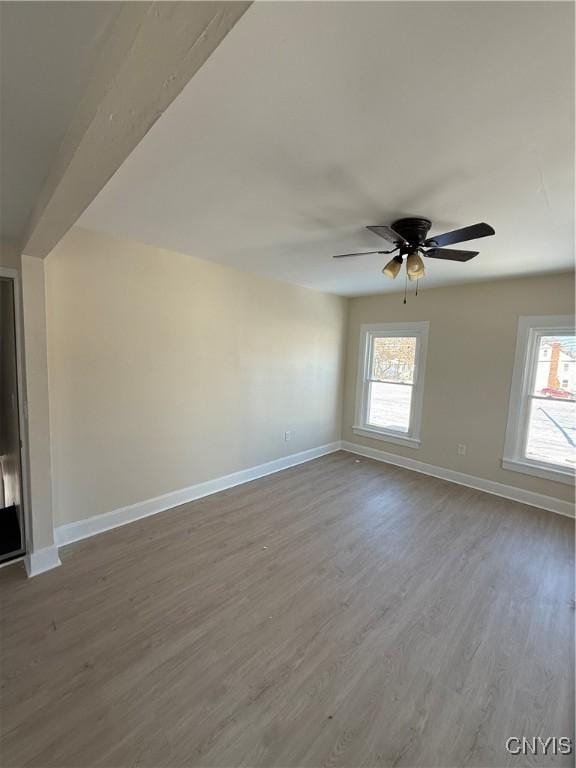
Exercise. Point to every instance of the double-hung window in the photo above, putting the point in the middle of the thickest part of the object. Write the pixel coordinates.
(541, 432)
(390, 382)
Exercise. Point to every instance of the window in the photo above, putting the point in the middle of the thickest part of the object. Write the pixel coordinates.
(390, 382)
(541, 433)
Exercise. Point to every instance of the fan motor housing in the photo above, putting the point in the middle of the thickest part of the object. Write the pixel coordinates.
(415, 230)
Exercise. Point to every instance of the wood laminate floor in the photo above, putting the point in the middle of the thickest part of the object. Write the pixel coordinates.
(334, 614)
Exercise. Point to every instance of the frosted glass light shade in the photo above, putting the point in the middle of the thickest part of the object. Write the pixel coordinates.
(419, 276)
(392, 269)
(414, 265)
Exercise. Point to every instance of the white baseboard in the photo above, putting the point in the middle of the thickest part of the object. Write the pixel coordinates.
(82, 529)
(42, 560)
(478, 483)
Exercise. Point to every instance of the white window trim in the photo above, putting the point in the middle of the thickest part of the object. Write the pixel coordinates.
(361, 427)
(529, 330)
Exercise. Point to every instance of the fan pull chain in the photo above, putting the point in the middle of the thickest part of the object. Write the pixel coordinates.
(416, 286)
(405, 286)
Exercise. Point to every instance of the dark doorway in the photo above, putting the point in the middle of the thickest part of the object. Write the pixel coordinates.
(11, 514)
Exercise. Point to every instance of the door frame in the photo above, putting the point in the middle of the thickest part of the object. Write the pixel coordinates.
(14, 275)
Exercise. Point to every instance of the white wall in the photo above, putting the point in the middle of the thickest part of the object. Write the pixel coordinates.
(33, 274)
(166, 371)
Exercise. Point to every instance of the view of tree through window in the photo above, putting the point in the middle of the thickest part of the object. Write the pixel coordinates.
(391, 382)
(393, 358)
(552, 409)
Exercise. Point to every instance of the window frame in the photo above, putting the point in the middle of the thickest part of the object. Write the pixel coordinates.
(530, 329)
(368, 333)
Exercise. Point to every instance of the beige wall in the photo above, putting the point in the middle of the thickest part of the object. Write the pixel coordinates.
(468, 371)
(9, 255)
(166, 371)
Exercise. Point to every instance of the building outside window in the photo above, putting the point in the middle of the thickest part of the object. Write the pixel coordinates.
(541, 432)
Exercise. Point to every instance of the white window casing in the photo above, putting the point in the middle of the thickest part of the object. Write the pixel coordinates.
(368, 333)
(530, 330)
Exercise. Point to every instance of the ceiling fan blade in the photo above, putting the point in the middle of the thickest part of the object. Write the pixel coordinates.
(460, 235)
(363, 253)
(450, 255)
(389, 234)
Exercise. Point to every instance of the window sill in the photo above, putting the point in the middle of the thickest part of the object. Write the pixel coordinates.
(539, 470)
(387, 437)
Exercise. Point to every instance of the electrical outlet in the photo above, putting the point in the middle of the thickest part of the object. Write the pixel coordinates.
(461, 450)
(287, 435)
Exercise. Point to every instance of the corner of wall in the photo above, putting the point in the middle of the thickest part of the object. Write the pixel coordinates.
(343, 367)
(38, 484)
(42, 560)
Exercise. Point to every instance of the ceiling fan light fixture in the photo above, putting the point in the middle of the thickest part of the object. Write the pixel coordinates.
(414, 266)
(393, 267)
(419, 276)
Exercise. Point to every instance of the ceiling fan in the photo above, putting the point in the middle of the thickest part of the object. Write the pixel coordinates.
(409, 238)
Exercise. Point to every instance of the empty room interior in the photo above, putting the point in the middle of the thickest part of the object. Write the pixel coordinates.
(287, 384)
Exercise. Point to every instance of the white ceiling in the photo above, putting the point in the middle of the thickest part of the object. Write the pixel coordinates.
(47, 52)
(312, 120)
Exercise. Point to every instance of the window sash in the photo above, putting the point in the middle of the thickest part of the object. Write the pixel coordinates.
(530, 332)
(372, 338)
(369, 334)
(389, 381)
(547, 454)
(534, 337)
(390, 429)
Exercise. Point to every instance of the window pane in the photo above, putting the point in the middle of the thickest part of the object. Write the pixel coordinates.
(389, 406)
(552, 432)
(556, 366)
(393, 358)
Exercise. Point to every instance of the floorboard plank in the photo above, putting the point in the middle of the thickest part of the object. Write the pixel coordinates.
(339, 613)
